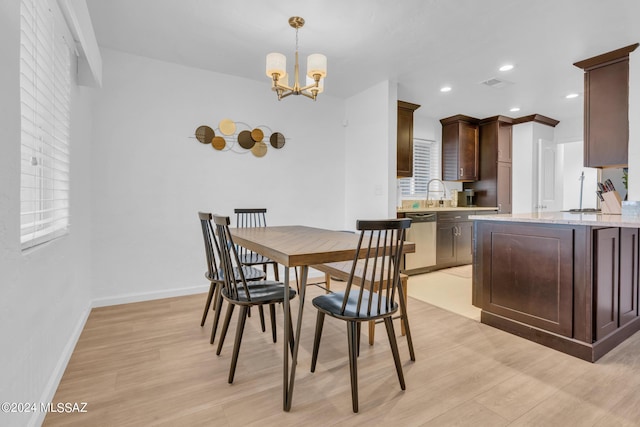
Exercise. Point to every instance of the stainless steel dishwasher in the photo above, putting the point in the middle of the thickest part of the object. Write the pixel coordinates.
(423, 234)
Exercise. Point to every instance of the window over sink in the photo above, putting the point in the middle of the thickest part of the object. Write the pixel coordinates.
(426, 166)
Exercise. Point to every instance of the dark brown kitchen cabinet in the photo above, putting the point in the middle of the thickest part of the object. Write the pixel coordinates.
(628, 309)
(445, 243)
(615, 276)
(405, 139)
(527, 273)
(573, 288)
(454, 235)
(605, 278)
(503, 186)
(606, 106)
(460, 145)
(493, 187)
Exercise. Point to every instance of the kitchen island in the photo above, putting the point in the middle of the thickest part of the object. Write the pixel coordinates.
(567, 281)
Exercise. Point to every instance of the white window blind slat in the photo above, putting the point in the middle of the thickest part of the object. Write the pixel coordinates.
(45, 92)
(426, 166)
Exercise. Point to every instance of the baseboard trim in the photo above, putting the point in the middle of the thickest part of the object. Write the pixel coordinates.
(148, 296)
(54, 380)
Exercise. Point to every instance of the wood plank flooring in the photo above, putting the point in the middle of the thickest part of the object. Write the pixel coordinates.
(151, 363)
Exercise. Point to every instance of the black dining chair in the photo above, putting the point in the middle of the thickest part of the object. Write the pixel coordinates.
(255, 217)
(238, 292)
(215, 276)
(370, 294)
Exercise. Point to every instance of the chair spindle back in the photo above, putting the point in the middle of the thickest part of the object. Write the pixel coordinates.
(211, 247)
(245, 218)
(378, 274)
(234, 284)
(251, 217)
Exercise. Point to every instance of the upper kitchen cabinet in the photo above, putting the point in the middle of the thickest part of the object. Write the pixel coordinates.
(493, 188)
(405, 138)
(606, 107)
(460, 158)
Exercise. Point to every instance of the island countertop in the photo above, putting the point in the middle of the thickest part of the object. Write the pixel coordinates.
(568, 218)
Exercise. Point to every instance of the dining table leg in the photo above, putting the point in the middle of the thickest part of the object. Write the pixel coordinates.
(289, 378)
(287, 326)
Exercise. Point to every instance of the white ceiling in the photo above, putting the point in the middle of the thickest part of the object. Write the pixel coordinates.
(421, 44)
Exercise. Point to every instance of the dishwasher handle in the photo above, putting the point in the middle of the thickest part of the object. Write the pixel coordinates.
(422, 217)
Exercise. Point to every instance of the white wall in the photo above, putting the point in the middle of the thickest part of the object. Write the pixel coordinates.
(45, 292)
(371, 154)
(151, 176)
(569, 130)
(571, 158)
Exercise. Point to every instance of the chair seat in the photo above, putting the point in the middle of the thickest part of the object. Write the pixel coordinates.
(263, 292)
(253, 259)
(250, 273)
(331, 304)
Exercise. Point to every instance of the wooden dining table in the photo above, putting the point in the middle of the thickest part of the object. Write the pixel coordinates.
(300, 246)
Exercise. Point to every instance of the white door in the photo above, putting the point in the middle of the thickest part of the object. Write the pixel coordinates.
(547, 194)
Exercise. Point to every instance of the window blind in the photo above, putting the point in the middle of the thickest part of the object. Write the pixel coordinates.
(426, 166)
(45, 97)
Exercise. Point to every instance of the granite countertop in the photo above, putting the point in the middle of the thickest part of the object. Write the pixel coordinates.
(445, 209)
(592, 219)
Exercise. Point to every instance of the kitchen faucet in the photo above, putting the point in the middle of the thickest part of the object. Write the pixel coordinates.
(444, 189)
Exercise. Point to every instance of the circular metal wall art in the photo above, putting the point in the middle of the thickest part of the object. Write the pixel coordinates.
(205, 134)
(257, 135)
(218, 143)
(245, 140)
(277, 140)
(228, 133)
(259, 149)
(227, 127)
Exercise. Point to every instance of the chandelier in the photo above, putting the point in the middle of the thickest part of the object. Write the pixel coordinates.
(277, 71)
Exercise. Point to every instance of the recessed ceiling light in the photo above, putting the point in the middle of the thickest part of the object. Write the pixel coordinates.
(572, 95)
(506, 67)
(514, 109)
(445, 89)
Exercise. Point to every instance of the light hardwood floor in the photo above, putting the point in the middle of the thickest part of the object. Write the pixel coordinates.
(150, 363)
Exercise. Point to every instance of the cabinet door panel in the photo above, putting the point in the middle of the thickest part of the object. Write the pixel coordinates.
(460, 148)
(504, 143)
(446, 250)
(528, 275)
(450, 152)
(628, 275)
(405, 143)
(468, 149)
(606, 115)
(605, 274)
(464, 242)
(504, 187)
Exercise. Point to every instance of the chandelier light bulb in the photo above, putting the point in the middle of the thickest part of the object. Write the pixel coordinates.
(276, 64)
(316, 64)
